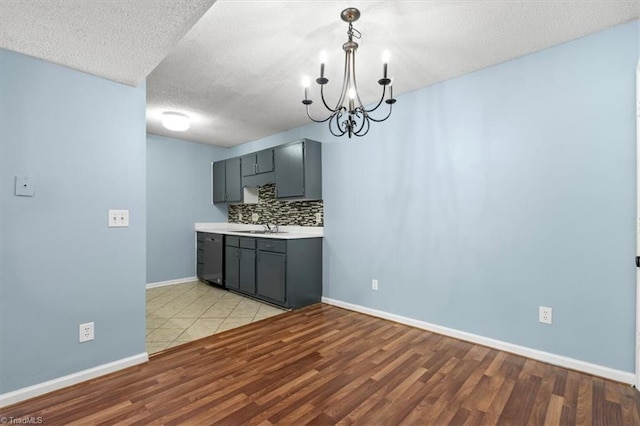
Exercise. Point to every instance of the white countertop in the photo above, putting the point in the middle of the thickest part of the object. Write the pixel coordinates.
(286, 232)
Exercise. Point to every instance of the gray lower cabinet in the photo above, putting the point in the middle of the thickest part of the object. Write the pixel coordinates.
(283, 272)
(240, 264)
(232, 267)
(248, 270)
(272, 276)
(227, 182)
(298, 170)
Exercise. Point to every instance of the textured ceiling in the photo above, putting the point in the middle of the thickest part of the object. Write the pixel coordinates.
(119, 40)
(237, 71)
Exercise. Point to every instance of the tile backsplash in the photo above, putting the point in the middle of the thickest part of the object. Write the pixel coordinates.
(272, 210)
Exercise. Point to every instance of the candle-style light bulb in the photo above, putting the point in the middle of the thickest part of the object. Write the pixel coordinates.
(306, 82)
(323, 60)
(386, 55)
(352, 98)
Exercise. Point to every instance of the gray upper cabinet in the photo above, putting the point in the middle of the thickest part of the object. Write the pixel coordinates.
(295, 168)
(233, 180)
(256, 163)
(298, 170)
(219, 182)
(227, 182)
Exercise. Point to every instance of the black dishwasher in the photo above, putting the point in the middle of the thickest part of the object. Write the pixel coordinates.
(210, 258)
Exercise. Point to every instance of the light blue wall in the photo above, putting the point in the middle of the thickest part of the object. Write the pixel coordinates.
(488, 195)
(178, 195)
(82, 139)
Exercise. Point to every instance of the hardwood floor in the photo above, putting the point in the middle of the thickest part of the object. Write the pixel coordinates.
(326, 365)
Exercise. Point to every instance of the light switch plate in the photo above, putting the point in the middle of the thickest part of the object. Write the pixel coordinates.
(118, 218)
(24, 186)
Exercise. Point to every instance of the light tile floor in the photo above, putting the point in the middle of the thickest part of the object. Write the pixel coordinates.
(180, 313)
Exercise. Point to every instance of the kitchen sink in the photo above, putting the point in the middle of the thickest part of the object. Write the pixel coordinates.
(252, 231)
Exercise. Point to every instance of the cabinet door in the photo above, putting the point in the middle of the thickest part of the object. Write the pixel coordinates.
(249, 165)
(248, 270)
(232, 267)
(264, 161)
(289, 165)
(219, 182)
(234, 180)
(271, 275)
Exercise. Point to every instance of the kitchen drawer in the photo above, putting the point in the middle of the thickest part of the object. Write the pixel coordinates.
(232, 241)
(249, 243)
(201, 236)
(271, 245)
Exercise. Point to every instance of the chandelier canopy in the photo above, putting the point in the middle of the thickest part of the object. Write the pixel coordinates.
(349, 116)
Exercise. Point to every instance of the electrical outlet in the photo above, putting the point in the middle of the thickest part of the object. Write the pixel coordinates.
(254, 217)
(118, 218)
(86, 332)
(318, 218)
(374, 284)
(545, 315)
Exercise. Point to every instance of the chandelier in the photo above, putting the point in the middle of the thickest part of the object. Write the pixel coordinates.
(349, 116)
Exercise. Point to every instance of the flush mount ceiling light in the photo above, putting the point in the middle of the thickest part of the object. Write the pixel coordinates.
(349, 116)
(175, 121)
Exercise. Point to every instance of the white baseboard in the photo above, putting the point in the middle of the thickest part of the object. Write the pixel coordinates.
(172, 282)
(561, 361)
(19, 395)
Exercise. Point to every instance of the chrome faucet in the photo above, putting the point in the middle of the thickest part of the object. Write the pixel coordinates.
(271, 228)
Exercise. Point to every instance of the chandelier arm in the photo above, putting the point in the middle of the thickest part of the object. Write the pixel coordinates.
(384, 89)
(368, 126)
(337, 124)
(325, 102)
(317, 121)
(355, 83)
(382, 119)
(345, 80)
(365, 121)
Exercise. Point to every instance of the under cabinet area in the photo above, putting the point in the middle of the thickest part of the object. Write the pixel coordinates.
(283, 272)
